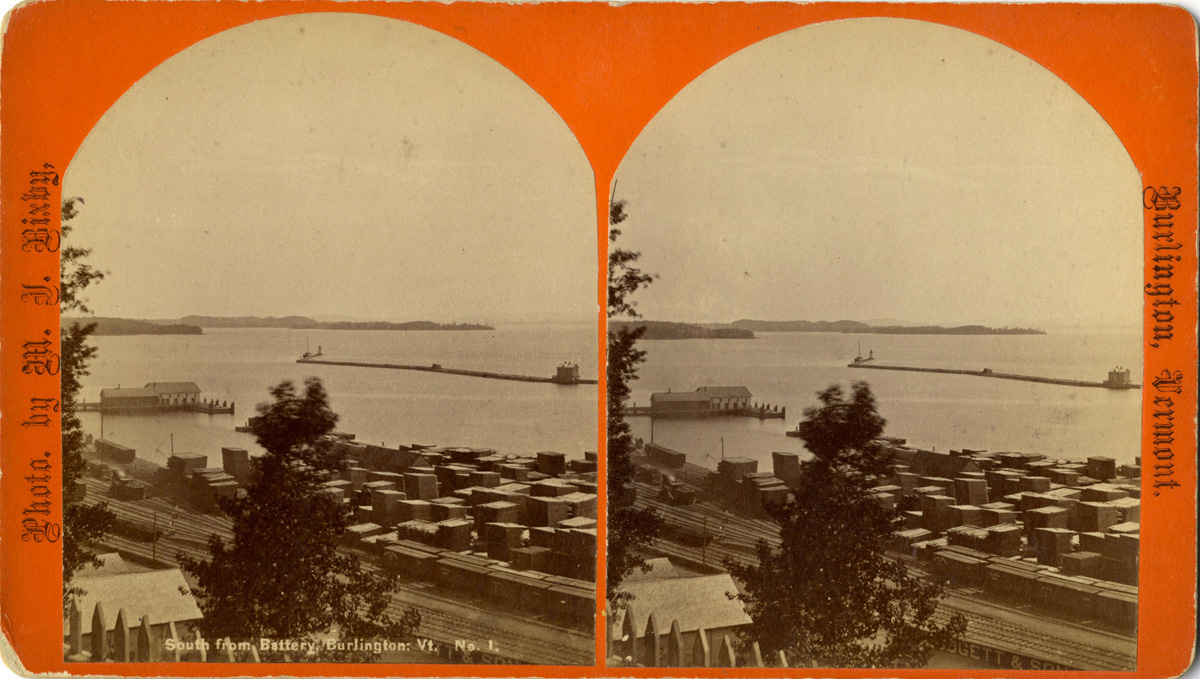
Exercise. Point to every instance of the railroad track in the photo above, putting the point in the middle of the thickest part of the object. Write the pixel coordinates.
(1025, 641)
(447, 630)
(544, 644)
(1035, 638)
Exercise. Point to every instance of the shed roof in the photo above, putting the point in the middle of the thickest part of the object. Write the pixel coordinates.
(128, 392)
(173, 387)
(154, 593)
(112, 444)
(393, 459)
(942, 464)
(660, 568)
(696, 603)
(678, 396)
(110, 564)
(726, 392)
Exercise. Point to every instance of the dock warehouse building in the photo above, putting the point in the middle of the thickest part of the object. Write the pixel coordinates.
(726, 398)
(137, 397)
(678, 403)
(705, 400)
(175, 393)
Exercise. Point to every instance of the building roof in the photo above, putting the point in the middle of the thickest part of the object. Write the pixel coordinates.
(153, 593)
(128, 392)
(699, 602)
(660, 568)
(393, 459)
(726, 392)
(173, 387)
(110, 564)
(942, 464)
(112, 444)
(678, 396)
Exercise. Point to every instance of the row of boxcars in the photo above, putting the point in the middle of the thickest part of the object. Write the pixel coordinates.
(1084, 599)
(560, 599)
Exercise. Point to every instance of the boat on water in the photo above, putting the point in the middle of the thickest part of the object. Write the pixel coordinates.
(308, 351)
(859, 360)
(247, 428)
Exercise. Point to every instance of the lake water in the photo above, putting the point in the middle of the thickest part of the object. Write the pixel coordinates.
(929, 410)
(785, 369)
(378, 406)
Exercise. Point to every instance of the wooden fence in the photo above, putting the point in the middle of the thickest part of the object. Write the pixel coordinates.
(142, 643)
(666, 648)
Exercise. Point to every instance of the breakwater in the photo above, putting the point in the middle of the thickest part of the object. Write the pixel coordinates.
(436, 368)
(1109, 384)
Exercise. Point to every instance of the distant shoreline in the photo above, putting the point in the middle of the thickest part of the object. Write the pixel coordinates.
(745, 329)
(663, 330)
(194, 325)
(856, 327)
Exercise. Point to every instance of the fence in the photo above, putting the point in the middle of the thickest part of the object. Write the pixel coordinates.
(656, 648)
(146, 642)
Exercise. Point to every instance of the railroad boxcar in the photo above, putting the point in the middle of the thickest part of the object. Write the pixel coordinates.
(1006, 581)
(408, 563)
(1116, 608)
(1066, 596)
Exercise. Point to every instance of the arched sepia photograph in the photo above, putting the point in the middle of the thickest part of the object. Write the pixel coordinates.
(330, 358)
(878, 336)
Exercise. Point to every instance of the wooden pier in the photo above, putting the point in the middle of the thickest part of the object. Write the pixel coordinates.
(437, 368)
(206, 407)
(1001, 376)
(762, 412)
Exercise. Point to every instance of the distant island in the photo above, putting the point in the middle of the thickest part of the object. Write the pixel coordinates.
(125, 326)
(305, 323)
(857, 327)
(193, 325)
(663, 330)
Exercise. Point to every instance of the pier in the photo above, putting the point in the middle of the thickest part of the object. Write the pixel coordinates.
(561, 377)
(706, 402)
(206, 407)
(1116, 379)
(762, 412)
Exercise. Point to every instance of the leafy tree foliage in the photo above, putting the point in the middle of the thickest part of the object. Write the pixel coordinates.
(629, 529)
(82, 525)
(829, 597)
(283, 576)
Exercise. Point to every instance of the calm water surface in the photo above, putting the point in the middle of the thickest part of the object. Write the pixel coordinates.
(388, 406)
(941, 411)
(785, 369)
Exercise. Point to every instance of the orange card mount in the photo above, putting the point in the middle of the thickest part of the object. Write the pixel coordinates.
(408, 202)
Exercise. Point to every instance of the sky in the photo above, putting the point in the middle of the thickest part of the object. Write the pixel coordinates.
(884, 169)
(336, 164)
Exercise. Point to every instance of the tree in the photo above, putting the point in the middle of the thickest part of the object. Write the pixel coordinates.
(829, 596)
(282, 577)
(630, 530)
(82, 524)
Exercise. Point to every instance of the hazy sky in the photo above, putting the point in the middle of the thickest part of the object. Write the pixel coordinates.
(337, 164)
(884, 168)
